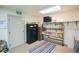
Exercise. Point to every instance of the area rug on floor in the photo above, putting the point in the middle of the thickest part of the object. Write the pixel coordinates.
(45, 47)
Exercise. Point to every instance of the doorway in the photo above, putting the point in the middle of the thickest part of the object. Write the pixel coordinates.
(16, 30)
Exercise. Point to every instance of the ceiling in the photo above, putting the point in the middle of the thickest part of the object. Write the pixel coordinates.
(34, 9)
(28, 9)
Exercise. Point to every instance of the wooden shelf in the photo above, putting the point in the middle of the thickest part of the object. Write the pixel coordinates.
(54, 28)
(55, 41)
(46, 33)
(61, 39)
(57, 28)
(57, 32)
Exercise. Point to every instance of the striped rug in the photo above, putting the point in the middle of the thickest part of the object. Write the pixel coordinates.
(45, 47)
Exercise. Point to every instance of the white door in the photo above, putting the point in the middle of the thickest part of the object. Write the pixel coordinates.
(16, 31)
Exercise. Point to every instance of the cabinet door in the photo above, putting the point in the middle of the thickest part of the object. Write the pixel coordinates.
(69, 34)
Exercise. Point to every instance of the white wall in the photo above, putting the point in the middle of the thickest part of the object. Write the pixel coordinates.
(31, 18)
(66, 16)
(3, 31)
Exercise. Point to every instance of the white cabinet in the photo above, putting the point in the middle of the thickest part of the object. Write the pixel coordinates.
(70, 34)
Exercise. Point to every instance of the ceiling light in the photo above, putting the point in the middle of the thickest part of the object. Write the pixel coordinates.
(51, 9)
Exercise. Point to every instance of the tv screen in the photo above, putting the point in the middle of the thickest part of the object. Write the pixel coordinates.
(47, 19)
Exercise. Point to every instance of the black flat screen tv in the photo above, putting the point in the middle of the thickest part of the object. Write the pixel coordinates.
(47, 19)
